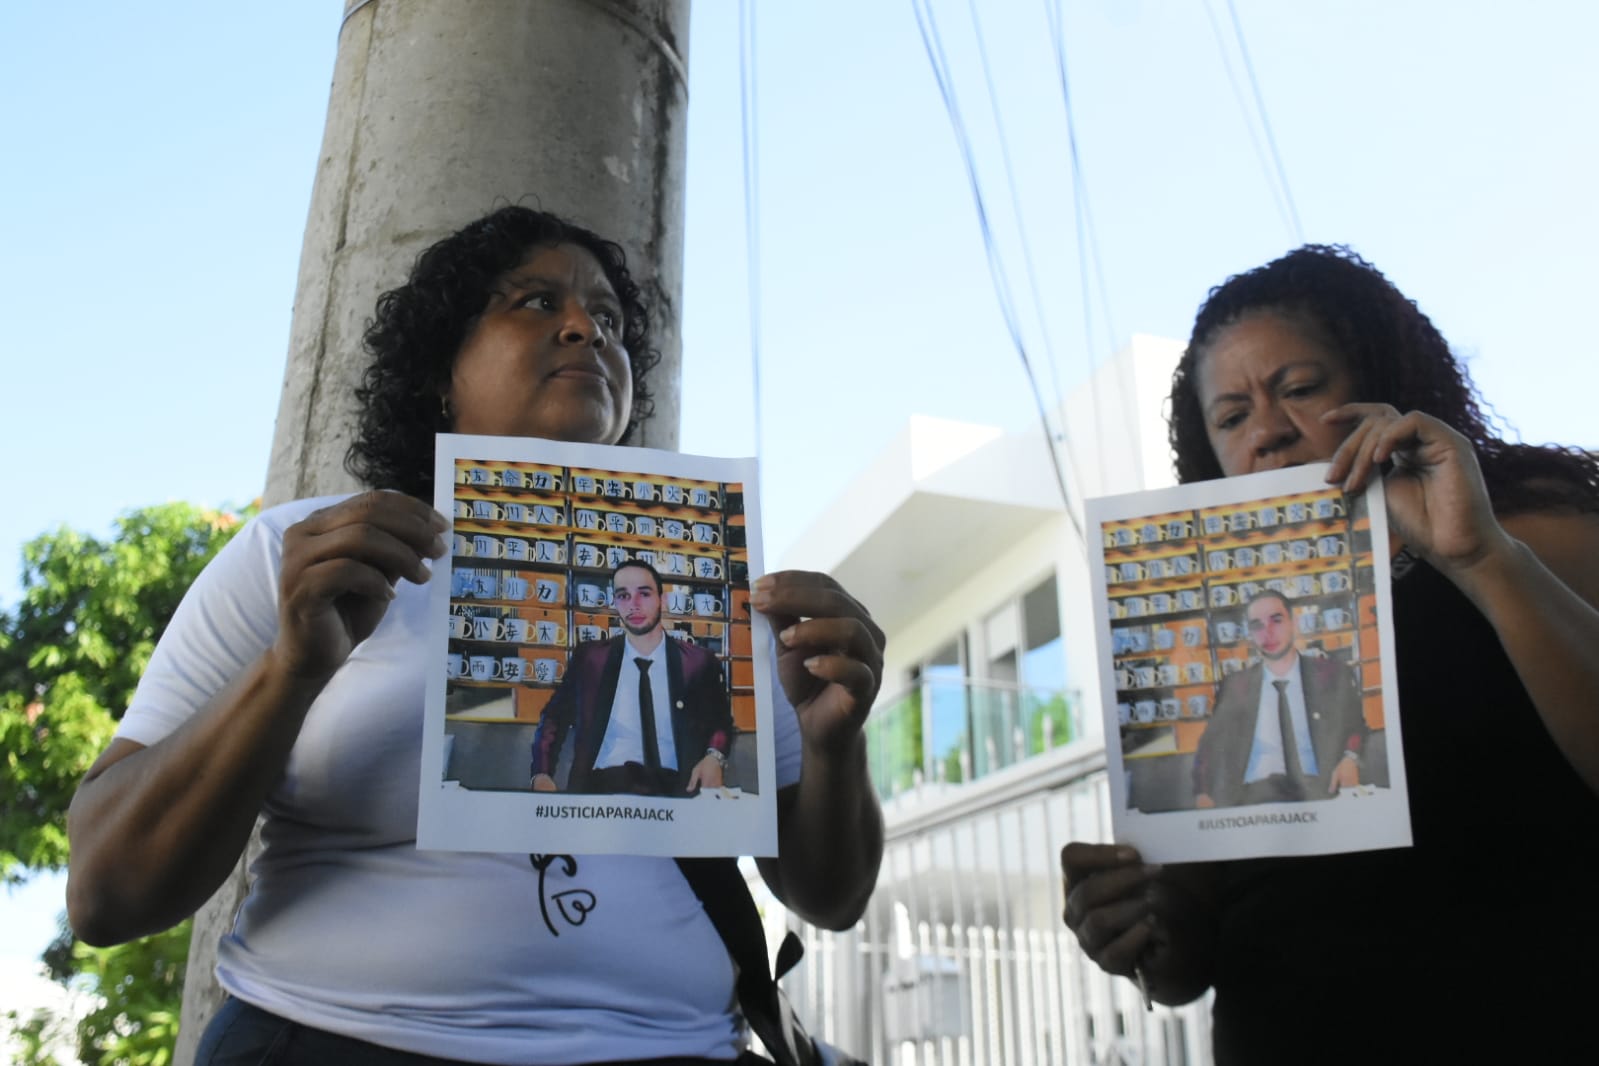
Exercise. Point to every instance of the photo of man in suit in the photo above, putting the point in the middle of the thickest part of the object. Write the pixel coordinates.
(1242, 756)
(648, 715)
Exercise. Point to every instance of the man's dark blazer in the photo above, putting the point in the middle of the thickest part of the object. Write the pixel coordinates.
(701, 716)
(1332, 704)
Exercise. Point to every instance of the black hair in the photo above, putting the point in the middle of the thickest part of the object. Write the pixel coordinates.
(418, 328)
(1395, 355)
(639, 564)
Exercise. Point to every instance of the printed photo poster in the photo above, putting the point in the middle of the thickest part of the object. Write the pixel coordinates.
(1230, 615)
(582, 582)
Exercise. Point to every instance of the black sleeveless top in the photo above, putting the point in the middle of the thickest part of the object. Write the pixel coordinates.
(1478, 944)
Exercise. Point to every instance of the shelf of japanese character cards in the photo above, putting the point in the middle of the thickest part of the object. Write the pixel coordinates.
(1178, 587)
(532, 555)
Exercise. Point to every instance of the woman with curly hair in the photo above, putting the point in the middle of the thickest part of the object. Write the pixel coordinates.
(1466, 946)
(289, 686)
(419, 328)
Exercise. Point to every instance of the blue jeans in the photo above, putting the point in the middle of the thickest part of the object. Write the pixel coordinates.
(243, 1035)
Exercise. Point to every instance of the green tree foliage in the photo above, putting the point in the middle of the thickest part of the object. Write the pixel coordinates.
(137, 988)
(33, 1037)
(1056, 711)
(141, 984)
(894, 743)
(71, 653)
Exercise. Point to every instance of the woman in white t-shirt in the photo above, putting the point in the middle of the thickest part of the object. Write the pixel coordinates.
(289, 685)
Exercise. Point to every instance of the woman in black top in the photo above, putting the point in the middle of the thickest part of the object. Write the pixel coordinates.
(1478, 943)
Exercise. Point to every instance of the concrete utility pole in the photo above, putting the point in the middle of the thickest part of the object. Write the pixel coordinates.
(441, 111)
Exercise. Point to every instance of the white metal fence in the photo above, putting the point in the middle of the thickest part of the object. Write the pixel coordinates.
(962, 959)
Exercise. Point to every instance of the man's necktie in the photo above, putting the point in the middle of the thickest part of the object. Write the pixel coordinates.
(646, 715)
(1285, 723)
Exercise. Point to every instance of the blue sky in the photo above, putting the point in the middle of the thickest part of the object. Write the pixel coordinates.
(160, 162)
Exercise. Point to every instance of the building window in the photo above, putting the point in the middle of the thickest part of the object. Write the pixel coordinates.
(946, 712)
(1019, 706)
(1043, 654)
(991, 696)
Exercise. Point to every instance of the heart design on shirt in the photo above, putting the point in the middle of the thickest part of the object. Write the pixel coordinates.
(575, 904)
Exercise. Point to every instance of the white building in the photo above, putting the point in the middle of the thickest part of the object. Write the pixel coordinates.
(986, 741)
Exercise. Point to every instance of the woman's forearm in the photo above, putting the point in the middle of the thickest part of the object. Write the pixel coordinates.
(155, 830)
(1178, 964)
(830, 840)
(1538, 594)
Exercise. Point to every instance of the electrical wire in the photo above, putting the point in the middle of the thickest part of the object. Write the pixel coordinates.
(927, 24)
(1265, 122)
(1027, 249)
(1283, 209)
(1089, 242)
(1087, 246)
(752, 230)
(1091, 272)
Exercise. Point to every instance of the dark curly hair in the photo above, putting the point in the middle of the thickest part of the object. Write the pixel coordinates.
(418, 328)
(1396, 355)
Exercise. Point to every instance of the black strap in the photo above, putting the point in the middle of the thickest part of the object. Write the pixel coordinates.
(731, 909)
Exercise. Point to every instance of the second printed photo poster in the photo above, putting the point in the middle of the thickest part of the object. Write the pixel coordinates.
(601, 685)
(1233, 615)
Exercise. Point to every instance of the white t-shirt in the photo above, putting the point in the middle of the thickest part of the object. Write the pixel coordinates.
(349, 928)
(1266, 756)
(624, 730)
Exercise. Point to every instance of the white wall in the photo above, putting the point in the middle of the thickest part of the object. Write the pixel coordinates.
(1013, 569)
(1118, 429)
